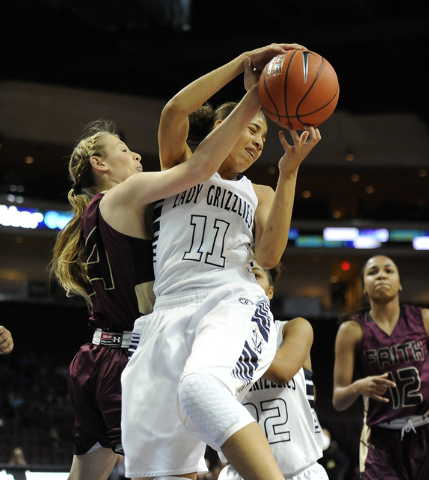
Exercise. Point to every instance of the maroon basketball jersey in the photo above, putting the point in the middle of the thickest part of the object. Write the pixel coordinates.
(120, 269)
(404, 355)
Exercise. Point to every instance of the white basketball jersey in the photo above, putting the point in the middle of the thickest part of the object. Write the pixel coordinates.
(203, 236)
(286, 414)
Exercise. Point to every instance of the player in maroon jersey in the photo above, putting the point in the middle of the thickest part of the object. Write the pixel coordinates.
(382, 354)
(104, 254)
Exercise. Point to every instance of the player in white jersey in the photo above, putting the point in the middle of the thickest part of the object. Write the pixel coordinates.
(208, 338)
(283, 401)
(214, 222)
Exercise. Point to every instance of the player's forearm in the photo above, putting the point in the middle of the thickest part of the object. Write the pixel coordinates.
(275, 236)
(199, 91)
(344, 397)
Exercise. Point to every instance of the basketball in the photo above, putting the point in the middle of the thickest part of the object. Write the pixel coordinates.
(298, 88)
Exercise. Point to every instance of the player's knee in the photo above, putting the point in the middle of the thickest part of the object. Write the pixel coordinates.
(212, 407)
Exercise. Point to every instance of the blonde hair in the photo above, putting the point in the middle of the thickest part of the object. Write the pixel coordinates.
(68, 262)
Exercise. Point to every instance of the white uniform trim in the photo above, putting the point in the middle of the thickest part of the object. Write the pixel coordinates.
(400, 423)
(407, 424)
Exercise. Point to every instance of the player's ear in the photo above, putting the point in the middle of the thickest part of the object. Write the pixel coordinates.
(97, 163)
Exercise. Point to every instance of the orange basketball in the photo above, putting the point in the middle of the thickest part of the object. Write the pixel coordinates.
(298, 88)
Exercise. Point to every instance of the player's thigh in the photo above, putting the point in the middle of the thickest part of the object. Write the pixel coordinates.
(233, 341)
(96, 465)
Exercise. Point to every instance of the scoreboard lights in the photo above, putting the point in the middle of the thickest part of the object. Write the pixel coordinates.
(338, 237)
(330, 237)
(33, 218)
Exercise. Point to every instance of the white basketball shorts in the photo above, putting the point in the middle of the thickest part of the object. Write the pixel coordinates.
(224, 332)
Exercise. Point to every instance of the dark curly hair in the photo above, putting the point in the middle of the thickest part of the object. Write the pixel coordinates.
(203, 119)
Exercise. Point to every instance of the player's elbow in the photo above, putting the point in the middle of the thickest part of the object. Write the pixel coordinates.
(281, 379)
(267, 259)
(175, 108)
(271, 263)
(338, 405)
(278, 372)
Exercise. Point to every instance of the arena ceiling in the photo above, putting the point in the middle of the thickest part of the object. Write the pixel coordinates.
(155, 47)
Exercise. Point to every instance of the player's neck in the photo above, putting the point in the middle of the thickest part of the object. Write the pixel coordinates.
(385, 313)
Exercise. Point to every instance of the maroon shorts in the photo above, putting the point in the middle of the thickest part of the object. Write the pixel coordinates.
(94, 384)
(391, 458)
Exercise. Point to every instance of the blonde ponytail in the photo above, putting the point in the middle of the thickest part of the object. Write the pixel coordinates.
(68, 262)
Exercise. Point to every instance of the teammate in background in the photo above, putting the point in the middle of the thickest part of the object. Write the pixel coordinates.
(209, 338)
(283, 400)
(6, 340)
(105, 255)
(386, 348)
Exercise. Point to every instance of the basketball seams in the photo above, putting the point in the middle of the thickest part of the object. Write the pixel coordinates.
(298, 116)
(285, 86)
(267, 92)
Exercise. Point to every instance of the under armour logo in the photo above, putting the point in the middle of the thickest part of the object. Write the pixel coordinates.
(245, 301)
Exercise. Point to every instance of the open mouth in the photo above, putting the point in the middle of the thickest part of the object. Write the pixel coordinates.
(251, 152)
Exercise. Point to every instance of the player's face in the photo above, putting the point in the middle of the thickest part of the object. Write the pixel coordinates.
(381, 278)
(247, 150)
(121, 161)
(262, 278)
